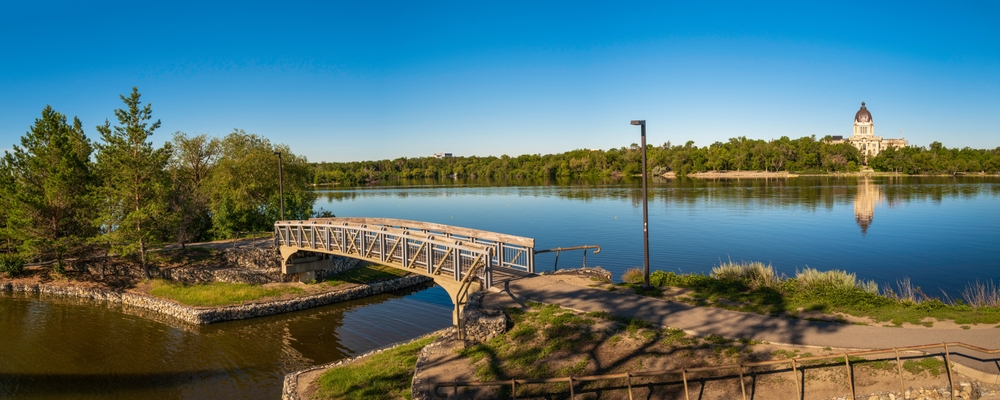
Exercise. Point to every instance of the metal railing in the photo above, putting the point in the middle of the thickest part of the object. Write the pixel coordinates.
(515, 252)
(386, 245)
(557, 250)
(795, 364)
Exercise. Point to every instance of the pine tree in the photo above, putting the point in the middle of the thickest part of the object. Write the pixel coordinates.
(48, 184)
(135, 183)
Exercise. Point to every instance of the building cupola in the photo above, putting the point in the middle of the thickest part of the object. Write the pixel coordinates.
(863, 115)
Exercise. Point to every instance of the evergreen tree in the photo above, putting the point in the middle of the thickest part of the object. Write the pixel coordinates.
(135, 181)
(48, 184)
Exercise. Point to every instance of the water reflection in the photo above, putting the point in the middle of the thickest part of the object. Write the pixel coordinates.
(865, 200)
(696, 224)
(59, 347)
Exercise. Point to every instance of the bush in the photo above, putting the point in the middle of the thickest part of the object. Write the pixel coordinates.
(12, 264)
(833, 279)
(634, 276)
(753, 274)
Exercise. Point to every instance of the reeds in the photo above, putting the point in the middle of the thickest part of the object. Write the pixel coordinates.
(812, 278)
(981, 294)
(755, 274)
(906, 292)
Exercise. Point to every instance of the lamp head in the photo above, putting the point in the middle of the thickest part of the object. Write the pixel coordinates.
(639, 122)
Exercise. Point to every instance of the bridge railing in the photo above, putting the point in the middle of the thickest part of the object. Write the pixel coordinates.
(411, 249)
(510, 251)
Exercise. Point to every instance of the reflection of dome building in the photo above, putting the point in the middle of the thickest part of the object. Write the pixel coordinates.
(864, 138)
(864, 203)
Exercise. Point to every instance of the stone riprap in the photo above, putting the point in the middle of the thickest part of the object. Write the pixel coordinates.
(481, 324)
(207, 315)
(290, 391)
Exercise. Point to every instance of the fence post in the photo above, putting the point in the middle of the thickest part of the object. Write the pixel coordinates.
(684, 377)
(572, 395)
(947, 364)
(628, 377)
(795, 377)
(743, 385)
(850, 376)
(899, 367)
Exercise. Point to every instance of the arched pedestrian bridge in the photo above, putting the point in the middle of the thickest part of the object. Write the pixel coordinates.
(458, 259)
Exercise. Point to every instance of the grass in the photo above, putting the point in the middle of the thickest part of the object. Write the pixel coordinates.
(365, 274)
(754, 287)
(216, 293)
(385, 375)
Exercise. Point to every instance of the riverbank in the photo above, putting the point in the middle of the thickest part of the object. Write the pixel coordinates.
(198, 286)
(208, 315)
(834, 295)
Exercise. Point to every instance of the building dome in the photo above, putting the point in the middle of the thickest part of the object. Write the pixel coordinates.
(863, 115)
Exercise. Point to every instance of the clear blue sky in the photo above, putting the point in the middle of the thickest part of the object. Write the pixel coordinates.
(368, 80)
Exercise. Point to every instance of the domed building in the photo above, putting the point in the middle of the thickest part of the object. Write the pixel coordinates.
(864, 138)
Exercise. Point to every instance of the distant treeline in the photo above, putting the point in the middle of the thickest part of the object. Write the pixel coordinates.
(63, 195)
(804, 155)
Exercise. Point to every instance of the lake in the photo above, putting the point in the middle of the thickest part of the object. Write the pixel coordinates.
(941, 232)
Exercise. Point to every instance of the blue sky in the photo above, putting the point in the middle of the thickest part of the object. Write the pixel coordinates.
(372, 80)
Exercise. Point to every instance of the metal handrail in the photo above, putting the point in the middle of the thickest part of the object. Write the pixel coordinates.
(557, 250)
(740, 367)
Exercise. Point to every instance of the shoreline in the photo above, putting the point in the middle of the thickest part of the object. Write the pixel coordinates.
(208, 315)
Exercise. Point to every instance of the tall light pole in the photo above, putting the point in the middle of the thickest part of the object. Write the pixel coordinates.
(281, 185)
(645, 208)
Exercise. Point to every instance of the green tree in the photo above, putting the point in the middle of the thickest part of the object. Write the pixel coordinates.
(48, 189)
(243, 186)
(188, 202)
(135, 182)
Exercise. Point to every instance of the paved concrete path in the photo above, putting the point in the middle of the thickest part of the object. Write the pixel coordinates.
(732, 324)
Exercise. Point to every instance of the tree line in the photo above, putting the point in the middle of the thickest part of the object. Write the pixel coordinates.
(64, 195)
(802, 155)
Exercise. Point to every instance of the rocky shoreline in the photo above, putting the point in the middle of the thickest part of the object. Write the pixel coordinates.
(208, 315)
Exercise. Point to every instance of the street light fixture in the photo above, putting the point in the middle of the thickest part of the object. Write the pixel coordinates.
(281, 186)
(645, 208)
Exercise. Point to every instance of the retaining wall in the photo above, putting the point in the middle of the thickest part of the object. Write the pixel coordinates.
(207, 315)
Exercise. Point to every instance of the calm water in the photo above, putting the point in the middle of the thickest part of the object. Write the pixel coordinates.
(940, 232)
(64, 348)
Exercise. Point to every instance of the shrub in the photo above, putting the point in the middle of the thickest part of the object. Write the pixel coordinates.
(811, 278)
(634, 276)
(12, 264)
(754, 274)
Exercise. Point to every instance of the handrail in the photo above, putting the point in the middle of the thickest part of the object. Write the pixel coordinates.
(739, 366)
(557, 250)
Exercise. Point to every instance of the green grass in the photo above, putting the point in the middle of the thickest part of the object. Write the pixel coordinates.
(216, 293)
(755, 290)
(365, 274)
(385, 375)
(932, 365)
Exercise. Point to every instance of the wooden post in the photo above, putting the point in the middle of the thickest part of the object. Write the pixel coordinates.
(743, 385)
(850, 376)
(899, 367)
(513, 389)
(572, 395)
(684, 377)
(795, 377)
(628, 381)
(947, 365)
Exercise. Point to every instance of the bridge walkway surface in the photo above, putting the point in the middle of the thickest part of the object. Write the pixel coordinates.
(702, 321)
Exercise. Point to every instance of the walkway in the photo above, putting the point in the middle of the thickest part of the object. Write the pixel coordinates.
(702, 321)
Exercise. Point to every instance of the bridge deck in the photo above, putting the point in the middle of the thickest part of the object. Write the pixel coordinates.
(433, 249)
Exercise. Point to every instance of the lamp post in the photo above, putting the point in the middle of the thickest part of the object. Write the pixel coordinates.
(645, 208)
(281, 186)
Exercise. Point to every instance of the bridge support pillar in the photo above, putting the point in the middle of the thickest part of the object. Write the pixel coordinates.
(458, 296)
